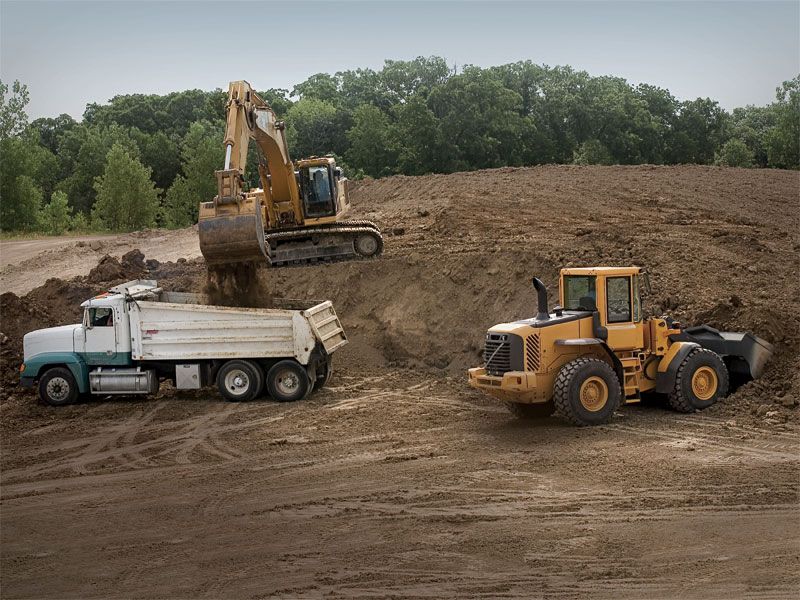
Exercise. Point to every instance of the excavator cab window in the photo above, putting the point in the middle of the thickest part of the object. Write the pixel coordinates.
(319, 191)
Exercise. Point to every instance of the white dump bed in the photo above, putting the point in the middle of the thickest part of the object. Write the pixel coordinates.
(175, 326)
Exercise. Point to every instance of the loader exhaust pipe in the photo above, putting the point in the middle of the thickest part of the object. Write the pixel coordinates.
(541, 292)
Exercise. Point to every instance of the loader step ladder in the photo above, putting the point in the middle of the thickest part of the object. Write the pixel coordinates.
(631, 367)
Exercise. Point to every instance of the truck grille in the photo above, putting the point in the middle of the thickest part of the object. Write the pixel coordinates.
(497, 354)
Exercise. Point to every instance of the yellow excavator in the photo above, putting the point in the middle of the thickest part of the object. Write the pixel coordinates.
(295, 217)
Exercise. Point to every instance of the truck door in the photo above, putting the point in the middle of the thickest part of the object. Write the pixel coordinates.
(100, 325)
(623, 315)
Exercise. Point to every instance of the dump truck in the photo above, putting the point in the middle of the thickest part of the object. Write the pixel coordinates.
(137, 335)
(596, 351)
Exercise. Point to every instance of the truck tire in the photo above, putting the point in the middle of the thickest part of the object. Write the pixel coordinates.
(701, 380)
(587, 392)
(57, 387)
(531, 411)
(324, 374)
(240, 380)
(288, 381)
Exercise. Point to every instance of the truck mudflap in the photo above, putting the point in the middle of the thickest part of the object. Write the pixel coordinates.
(752, 350)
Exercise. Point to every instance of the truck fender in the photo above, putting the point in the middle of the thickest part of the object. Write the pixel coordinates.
(37, 365)
(668, 365)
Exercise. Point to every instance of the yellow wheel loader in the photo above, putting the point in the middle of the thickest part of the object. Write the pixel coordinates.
(596, 351)
(297, 214)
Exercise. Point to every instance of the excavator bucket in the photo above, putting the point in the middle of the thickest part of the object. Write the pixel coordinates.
(232, 233)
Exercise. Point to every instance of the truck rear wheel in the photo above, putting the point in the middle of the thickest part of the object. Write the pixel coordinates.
(240, 380)
(57, 387)
(587, 392)
(702, 379)
(531, 411)
(287, 381)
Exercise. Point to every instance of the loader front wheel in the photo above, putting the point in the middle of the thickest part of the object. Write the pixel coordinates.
(240, 380)
(531, 411)
(702, 379)
(587, 392)
(287, 381)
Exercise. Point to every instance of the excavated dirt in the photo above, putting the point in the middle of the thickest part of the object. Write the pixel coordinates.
(399, 481)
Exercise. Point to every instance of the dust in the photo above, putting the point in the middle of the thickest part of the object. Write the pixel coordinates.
(241, 284)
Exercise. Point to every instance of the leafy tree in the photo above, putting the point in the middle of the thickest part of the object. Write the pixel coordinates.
(321, 86)
(127, 199)
(13, 119)
(371, 144)
(313, 129)
(592, 152)
(22, 200)
(734, 153)
(56, 215)
(783, 140)
(50, 130)
(699, 129)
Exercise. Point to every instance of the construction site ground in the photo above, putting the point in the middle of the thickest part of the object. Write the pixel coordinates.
(397, 480)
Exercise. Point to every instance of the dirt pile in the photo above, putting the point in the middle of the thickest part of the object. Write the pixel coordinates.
(721, 245)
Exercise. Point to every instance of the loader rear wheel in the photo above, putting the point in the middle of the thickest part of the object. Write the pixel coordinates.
(587, 392)
(287, 381)
(240, 380)
(702, 379)
(531, 411)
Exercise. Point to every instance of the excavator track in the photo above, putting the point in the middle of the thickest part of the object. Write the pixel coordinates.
(346, 240)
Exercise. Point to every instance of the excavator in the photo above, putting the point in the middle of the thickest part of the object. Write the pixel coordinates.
(296, 215)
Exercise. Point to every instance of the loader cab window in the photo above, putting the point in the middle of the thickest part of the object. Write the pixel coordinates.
(318, 191)
(580, 292)
(618, 299)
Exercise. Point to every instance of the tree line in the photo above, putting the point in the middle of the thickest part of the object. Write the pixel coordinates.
(148, 160)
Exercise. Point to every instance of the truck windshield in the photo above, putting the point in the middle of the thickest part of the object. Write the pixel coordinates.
(580, 292)
(315, 183)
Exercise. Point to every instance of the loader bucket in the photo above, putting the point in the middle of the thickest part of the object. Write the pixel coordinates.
(233, 238)
(751, 352)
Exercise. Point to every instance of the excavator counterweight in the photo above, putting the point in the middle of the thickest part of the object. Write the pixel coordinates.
(296, 215)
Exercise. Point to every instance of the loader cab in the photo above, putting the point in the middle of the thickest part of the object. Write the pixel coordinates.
(320, 187)
(615, 294)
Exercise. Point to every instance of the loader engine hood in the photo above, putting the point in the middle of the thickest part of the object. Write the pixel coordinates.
(52, 339)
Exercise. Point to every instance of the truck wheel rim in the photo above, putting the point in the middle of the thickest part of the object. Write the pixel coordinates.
(704, 383)
(58, 388)
(593, 394)
(287, 382)
(237, 382)
(367, 245)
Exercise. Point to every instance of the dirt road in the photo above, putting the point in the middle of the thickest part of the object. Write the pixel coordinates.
(399, 481)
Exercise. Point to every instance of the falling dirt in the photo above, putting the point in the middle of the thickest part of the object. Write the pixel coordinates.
(237, 285)
(397, 480)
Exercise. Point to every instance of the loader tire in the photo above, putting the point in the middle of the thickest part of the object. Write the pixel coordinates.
(58, 387)
(531, 411)
(240, 380)
(701, 380)
(288, 381)
(587, 392)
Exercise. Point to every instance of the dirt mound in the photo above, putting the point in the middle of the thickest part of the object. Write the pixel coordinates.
(721, 245)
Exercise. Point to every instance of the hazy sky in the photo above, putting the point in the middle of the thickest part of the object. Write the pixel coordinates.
(72, 53)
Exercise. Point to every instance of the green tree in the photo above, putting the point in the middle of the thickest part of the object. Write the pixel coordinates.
(56, 216)
(734, 153)
(371, 144)
(13, 119)
(783, 140)
(592, 152)
(313, 128)
(127, 199)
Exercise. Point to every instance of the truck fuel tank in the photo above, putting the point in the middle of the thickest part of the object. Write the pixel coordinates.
(110, 380)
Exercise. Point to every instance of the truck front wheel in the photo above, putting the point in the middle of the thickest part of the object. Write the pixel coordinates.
(287, 381)
(57, 387)
(240, 380)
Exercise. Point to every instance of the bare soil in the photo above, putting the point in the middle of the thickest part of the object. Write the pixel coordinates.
(397, 480)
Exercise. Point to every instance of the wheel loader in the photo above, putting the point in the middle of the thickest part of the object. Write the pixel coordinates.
(297, 214)
(596, 351)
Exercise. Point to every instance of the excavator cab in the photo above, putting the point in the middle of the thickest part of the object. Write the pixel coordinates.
(319, 181)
